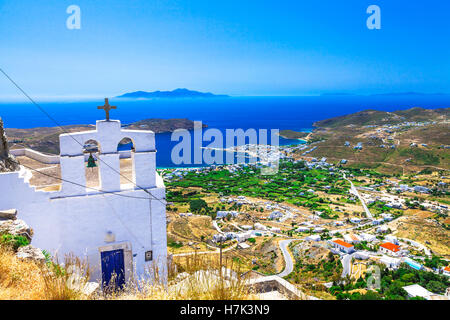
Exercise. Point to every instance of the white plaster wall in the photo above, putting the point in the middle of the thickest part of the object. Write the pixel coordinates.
(144, 140)
(145, 168)
(108, 134)
(15, 193)
(78, 224)
(54, 159)
(75, 221)
(109, 167)
(36, 155)
(72, 169)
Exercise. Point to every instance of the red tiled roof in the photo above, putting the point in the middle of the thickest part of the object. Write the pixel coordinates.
(447, 269)
(354, 238)
(390, 246)
(343, 243)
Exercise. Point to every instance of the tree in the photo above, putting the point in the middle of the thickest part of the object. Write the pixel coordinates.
(197, 205)
(436, 286)
(370, 295)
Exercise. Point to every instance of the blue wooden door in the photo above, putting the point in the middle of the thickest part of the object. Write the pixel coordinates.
(113, 263)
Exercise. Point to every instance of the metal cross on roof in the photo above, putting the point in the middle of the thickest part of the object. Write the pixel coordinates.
(107, 107)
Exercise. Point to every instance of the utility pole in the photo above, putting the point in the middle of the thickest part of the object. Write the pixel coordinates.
(221, 245)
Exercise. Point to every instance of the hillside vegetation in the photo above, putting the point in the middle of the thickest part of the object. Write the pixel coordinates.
(392, 142)
(375, 117)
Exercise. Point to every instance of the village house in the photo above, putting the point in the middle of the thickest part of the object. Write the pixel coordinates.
(368, 237)
(416, 290)
(275, 215)
(352, 238)
(390, 249)
(224, 214)
(343, 246)
(446, 271)
(302, 229)
(377, 221)
(259, 226)
(386, 216)
(392, 239)
(219, 237)
(355, 220)
(390, 262)
(314, 237)
(243, 236)
(382, 229)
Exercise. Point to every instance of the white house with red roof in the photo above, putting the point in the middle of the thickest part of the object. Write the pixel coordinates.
(446, 271)
(352, 238)
(390, 248)
(343, 246)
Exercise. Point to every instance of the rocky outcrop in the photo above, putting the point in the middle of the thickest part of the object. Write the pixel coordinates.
(7, 161)
(11, 226)
(16, 227)
(31, 253)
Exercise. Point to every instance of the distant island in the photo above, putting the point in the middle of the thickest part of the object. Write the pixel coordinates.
(411, 93)
(177, 93)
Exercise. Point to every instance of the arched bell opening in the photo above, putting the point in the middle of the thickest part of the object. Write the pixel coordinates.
(91, 151)
(126, 149)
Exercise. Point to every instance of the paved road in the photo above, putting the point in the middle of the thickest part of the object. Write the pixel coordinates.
(355, 191)
(214, 223)
(289, 264)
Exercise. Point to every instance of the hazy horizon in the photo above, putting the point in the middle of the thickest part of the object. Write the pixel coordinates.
(227, 47)
(100, 97)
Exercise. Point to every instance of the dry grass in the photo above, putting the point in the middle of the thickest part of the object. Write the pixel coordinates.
(19, 279)
(196, 277)
(416, 225)
(29, 280)
(68, 282)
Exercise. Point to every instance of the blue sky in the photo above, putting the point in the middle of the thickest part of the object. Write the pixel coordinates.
(231, 47)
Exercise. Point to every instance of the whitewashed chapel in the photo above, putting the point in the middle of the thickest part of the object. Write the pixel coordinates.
(120, 228)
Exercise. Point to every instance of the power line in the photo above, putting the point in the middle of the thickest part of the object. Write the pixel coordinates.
(102, 194)
(74, 183)
(56, 122)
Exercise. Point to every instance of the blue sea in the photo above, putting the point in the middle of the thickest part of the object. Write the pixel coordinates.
(295, 113)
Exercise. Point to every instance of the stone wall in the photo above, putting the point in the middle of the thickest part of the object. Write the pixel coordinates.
(35, 155)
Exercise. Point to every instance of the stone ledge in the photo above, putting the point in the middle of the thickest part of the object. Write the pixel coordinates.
(275, 283)
(10, 214)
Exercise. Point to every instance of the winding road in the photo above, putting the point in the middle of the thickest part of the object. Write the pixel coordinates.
(289, 263)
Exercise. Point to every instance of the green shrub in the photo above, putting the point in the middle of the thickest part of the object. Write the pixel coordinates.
(14, 241)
